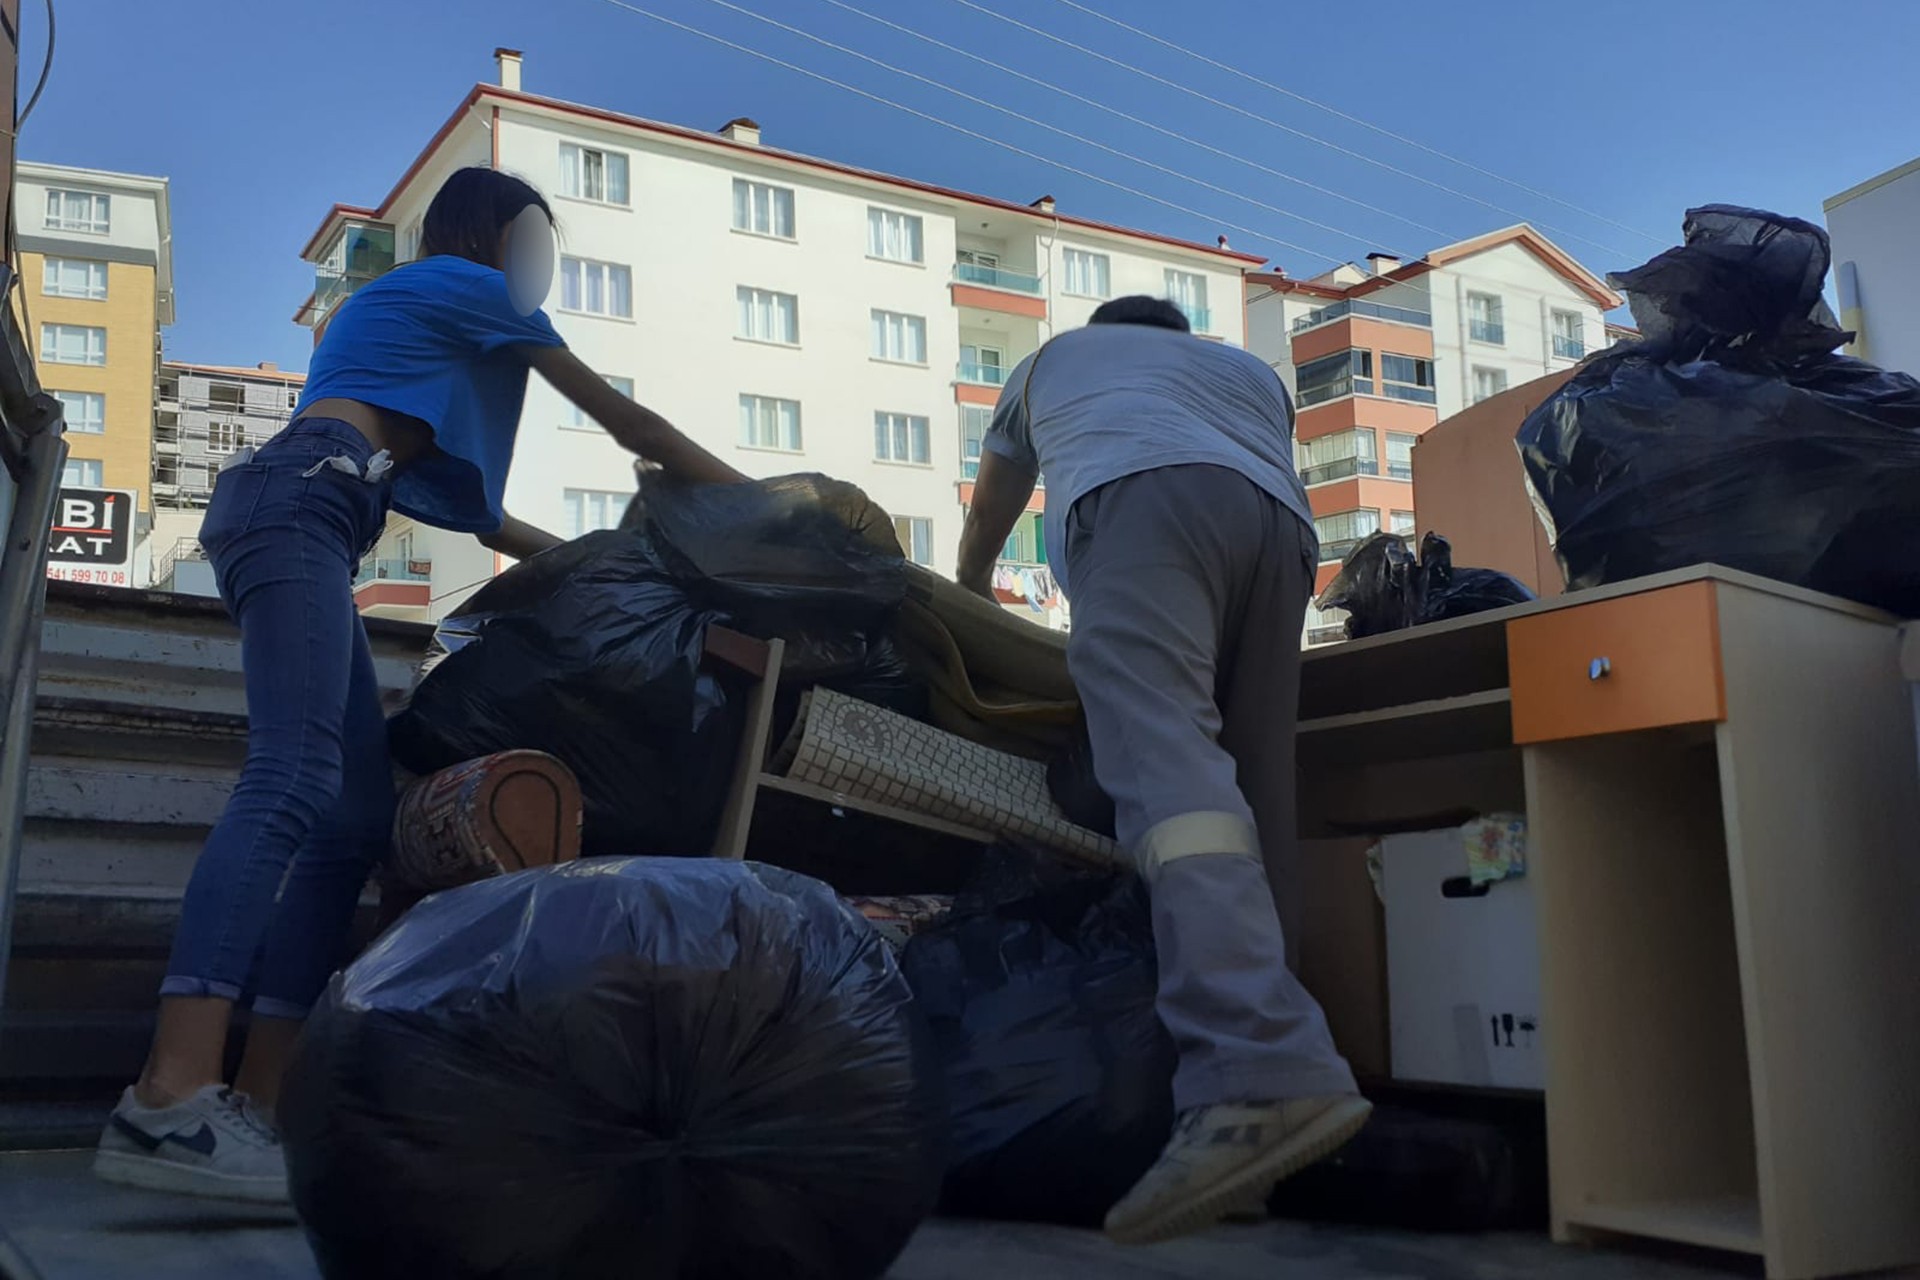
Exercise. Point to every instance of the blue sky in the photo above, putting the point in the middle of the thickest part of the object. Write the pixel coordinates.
(265, 112)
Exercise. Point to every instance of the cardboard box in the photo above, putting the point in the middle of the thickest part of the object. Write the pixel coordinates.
(1463, 968)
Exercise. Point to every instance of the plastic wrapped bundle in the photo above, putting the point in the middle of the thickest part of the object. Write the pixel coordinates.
(689, 1070)
(1383, 588)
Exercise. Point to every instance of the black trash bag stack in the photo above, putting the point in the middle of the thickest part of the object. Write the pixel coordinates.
(1384, 588)
(593, 652)
(1731, 433)
(669, 1068)
(1039, 988)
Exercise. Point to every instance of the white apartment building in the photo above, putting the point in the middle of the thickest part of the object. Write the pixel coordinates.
(1876, 266)
(791, 313)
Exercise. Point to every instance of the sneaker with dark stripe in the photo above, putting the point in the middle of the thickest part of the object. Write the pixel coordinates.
(212, 1144)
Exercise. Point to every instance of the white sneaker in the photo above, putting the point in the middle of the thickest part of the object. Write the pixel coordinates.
(1224, 1159)
(212, 1144)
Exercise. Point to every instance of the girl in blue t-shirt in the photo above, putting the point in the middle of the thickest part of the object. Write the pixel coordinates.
(412, 405)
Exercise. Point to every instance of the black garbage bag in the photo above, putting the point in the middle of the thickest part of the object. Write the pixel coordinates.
(1074, 786)
(593, 652)
(675, 1068)
(1039, 988)
(1732, 434)
(1384, 588)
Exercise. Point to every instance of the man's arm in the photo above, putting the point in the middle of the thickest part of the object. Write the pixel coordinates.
(1000, 497)
(518, 539)
(635, 427)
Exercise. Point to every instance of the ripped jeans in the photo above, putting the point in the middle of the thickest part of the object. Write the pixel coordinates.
(273, 894)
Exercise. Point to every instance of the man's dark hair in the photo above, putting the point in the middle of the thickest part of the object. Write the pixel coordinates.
(1140, 309)
(471, 210)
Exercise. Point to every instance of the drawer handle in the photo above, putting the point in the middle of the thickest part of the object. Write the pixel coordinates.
(1599, 668)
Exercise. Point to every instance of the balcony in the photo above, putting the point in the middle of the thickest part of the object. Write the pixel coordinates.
(1399, 471)
(996, 278)
(1326, 635)
(1340, 469)
(980, 375)
(1326, 391)
(1569, 348)
(393, 571)
(1493, 332)
(359, 253)
(1337, 551)
(1376, 310)
(1199, 317)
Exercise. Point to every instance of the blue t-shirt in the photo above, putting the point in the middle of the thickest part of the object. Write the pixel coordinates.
(425, 340)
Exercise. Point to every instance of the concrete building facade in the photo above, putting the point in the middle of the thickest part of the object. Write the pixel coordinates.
(791, 313)
(1876, 266)
(1375, 356)
(96, 275)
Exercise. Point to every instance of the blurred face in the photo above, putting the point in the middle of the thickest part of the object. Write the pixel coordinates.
(525, 254)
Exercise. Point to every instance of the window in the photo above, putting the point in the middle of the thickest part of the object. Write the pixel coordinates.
(587, 173)
(577, 418)
(410, 241)
(762, 209)
(1488, 383)
(86, 411)
(1400, 522)
(767, 423)
(1019, 548)
(1569, 335)
(916, 537)
(974, 421)
(1485, 322)
(1406, 378)
(596, 288)
(766, 316)
(224, 437)
(73, 344)
(902, 437)
(1343, 373)
(1400, 454)
(895, 237)
(1336, 457)
(900, 338)
(1325, 626)
(590, 510)
(77, 211)
(1090, 275)
(1341, 532)
(75, 278)
(1189, 292)
(984, 365)
(987, 262)
(81, 473)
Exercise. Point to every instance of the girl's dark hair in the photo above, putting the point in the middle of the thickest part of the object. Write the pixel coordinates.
(1158, 313)
(471, 209)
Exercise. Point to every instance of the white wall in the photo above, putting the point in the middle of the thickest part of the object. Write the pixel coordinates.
(1878, 232)
(133, 214)
(1529, 291)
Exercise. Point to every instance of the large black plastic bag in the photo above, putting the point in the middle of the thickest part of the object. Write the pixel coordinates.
(664, 1068)
(1040, 989)
(1383, 588)
(593, 652)
(1731, 434)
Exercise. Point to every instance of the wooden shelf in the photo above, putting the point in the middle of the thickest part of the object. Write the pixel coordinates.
(875, 808)
(1441, 726)
(1731, 1223)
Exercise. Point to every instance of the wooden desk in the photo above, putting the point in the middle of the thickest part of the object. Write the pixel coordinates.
(1720, 782)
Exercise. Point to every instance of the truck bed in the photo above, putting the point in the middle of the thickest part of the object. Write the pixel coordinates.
(74, 1228)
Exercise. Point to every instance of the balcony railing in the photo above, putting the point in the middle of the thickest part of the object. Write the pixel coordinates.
(1339, 549)
(981, 375)
(1493, 331)
(996, 278)
(1326, 635)
(1400, 471)
(1340, 469)
(1348, 386)
(1569, 348)
(1404, 391)
(393, 571)
(1199, 317)
(1377, 310)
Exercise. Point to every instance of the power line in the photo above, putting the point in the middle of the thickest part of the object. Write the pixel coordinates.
(1041, 124)
(962, 129)
(1133, 119)
(1287, 128)
(1364, 124)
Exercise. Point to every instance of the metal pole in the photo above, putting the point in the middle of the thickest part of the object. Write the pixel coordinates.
(23, 603)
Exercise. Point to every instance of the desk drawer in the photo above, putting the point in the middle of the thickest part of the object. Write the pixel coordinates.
(1614, 666)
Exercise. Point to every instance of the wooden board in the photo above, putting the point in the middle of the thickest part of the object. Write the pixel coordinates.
(1731, 1223)
(1437, 727)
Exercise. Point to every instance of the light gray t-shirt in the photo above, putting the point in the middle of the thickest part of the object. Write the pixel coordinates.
(1110, 400)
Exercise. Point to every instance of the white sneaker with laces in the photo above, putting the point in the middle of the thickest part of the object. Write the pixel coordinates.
(212, 1144)
(1223, 1160)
